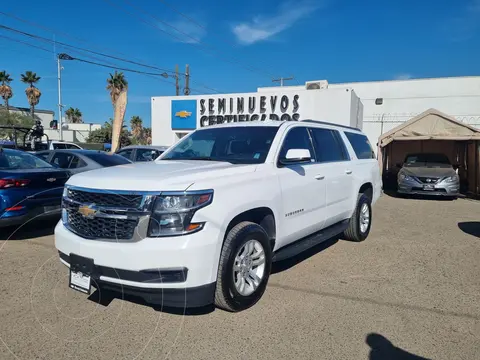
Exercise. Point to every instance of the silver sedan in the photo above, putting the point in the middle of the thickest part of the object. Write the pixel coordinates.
(428, 174)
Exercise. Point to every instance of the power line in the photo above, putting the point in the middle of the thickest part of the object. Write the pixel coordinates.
(83, 49)
(113, 66)
(91, 51)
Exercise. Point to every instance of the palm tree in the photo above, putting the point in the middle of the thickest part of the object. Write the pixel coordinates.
(5, 89)
(116, 84)
(74, 115)
(136, 124)
(148, 136)
(32, 92)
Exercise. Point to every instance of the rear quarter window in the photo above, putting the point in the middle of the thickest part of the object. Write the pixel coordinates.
(360, 144)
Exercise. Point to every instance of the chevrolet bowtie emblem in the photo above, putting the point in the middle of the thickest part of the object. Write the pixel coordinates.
(183, 114)
(87, 211)
(51, 179)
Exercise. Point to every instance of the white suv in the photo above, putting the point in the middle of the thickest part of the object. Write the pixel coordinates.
(203, 223)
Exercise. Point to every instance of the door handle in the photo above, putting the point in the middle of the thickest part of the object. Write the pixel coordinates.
(319, 177)
(348, 172)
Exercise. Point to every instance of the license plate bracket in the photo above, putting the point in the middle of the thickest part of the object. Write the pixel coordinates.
(429, 187)
(81, 271)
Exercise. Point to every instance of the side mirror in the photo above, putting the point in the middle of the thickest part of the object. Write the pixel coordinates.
(296, 156)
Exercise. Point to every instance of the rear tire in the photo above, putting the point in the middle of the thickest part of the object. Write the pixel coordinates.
(244, 267)
(361, 220)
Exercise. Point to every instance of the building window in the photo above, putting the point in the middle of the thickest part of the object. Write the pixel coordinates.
(378, 101)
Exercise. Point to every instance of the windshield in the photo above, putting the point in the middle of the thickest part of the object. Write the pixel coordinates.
(107, 160)
(424, 159)
(237, 145)
(15, 159)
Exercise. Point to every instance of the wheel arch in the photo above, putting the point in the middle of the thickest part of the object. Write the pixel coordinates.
(263, 216)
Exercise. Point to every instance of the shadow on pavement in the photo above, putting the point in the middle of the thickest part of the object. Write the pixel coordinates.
(295, 260)
(470, 227)
(105, 297)
(29, 231)
(382, 349)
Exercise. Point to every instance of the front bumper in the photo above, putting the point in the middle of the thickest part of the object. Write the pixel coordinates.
(443, 188)
(144, 267)
(13, 219)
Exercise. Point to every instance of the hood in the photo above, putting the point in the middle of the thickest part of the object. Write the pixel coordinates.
(160, 175)
(424, 171)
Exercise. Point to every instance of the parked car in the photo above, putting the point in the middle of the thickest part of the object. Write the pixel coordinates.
(30, 188)
(206, 219)
(54, 145)
(142, 153)
(428, 174)
(77, 161)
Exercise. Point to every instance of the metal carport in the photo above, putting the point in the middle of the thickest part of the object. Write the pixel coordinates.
(433, 131)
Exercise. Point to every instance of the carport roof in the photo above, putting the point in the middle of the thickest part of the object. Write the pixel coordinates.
(430, 125)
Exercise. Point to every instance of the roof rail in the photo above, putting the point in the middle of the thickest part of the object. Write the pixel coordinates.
(329, 123)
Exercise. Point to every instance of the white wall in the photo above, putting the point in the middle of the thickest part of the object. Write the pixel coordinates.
(403, 99)
(340, 106)
(74, 133)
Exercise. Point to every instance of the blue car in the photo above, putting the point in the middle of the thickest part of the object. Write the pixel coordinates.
(30, 188)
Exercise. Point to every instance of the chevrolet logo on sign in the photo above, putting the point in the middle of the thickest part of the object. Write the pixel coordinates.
(87, 211)
(183, 114)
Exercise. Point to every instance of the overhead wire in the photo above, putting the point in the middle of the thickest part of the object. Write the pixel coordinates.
(193, 80)
(111, 65)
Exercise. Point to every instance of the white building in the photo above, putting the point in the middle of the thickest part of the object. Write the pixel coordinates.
(77, 133)
(71, 132)
(175, 116)
(384, 105)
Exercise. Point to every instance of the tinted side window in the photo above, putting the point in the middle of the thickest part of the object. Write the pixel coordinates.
(62, 160)
(43, 156)
(360, 145)
(59, 146)
(329, 146)
(297, 138)
(72, 146)
(145, 155)
(77, 163)
(126, 153)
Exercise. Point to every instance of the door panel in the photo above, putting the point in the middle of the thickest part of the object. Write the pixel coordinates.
(303, 191)
(332, 156)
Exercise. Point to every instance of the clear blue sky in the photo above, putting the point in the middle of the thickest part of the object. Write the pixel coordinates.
(337, 40)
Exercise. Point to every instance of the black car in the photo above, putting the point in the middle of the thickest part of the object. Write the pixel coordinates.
(77, 161)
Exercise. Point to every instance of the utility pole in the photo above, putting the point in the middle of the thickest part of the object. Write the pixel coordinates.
(186, 91)
(282, 79)
(177, 87)
(60, 106)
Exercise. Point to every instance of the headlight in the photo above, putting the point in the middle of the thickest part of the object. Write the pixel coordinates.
(451, 179)
(173, 212)
(404, 177)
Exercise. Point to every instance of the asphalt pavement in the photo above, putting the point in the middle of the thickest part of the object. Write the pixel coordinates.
(410, 291)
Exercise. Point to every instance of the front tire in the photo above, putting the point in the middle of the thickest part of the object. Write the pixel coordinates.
(244, 267)
(361, 220)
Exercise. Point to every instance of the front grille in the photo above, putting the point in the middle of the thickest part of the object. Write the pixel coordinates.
(105, 199)
(428, 180)
(101, 228)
